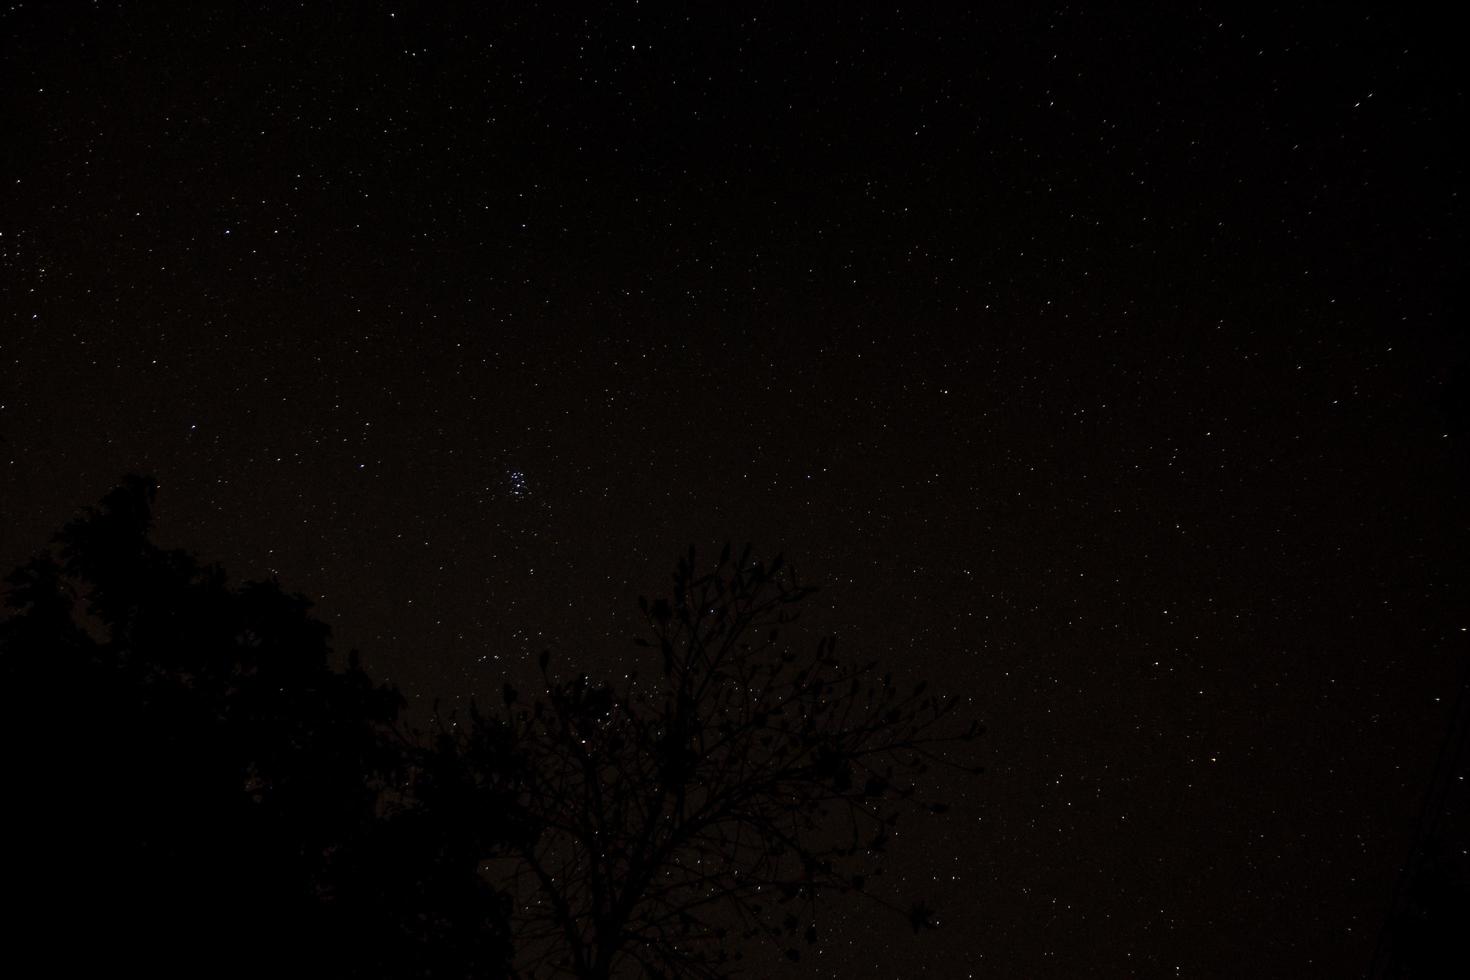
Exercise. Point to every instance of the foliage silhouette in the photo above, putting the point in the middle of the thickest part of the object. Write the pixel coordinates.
(196, 791)
(1423, 932)
(199, 792)
(713, 803)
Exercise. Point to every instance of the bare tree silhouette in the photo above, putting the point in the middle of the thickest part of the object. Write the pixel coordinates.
(198, 790)
(718, 800)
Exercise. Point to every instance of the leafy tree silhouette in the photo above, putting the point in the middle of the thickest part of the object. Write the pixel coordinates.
(1423, 934)
(195, 791)
(716, 802)
(198, 792)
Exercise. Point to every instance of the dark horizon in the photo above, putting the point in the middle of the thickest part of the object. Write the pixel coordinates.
(1105, 369)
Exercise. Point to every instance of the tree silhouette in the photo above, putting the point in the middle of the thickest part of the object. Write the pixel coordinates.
(1423, 934)
(716, 801)
(196, 791)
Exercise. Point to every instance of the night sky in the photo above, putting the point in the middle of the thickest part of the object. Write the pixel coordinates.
(1090, 361)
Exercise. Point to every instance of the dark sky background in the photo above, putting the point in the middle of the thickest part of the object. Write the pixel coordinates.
(1091, 360)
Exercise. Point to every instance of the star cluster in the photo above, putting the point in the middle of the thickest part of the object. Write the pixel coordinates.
(1087, 360)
